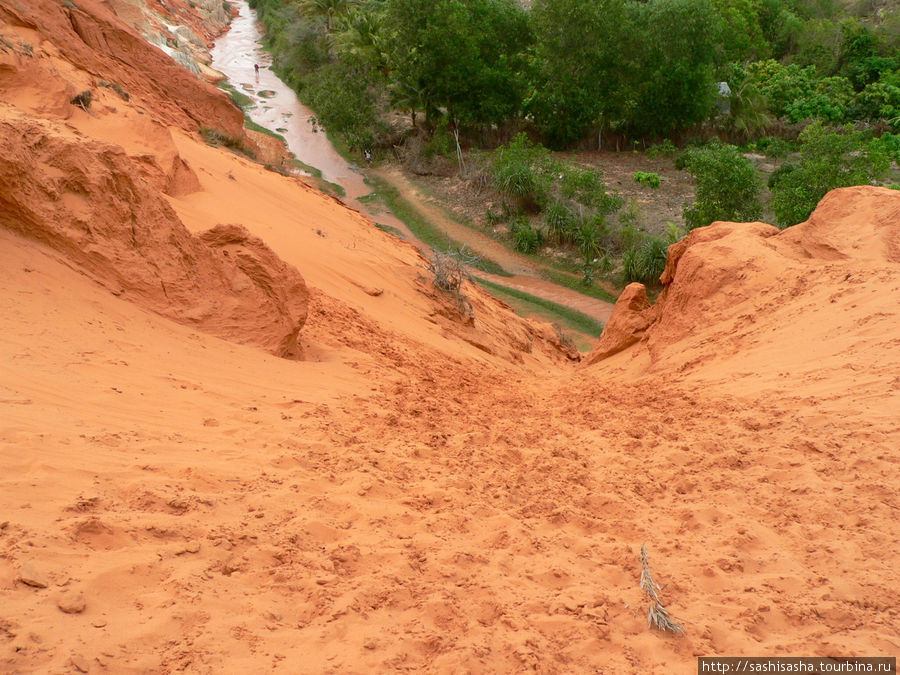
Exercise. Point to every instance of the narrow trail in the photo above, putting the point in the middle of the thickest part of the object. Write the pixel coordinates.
(277, 107)
(526, 273)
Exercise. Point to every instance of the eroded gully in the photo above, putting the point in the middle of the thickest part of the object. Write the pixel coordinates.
(277, 107)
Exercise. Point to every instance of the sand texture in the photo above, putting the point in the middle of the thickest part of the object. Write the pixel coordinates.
(241, 431)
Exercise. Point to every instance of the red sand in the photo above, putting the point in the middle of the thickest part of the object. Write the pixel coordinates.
(416, 492)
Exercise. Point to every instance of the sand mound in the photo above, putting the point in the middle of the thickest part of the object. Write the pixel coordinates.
(784, 300)
(88, 201)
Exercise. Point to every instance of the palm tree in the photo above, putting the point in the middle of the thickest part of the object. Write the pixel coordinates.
(326, 9)
(748, 110)
(360, 34)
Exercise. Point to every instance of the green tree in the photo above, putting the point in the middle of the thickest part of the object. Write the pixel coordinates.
(829, 159)
(673, 83)
(464, 56)
(727, 186)
(581, 66)
(342, 96)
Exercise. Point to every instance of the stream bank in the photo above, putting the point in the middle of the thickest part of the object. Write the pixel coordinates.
(276, 107)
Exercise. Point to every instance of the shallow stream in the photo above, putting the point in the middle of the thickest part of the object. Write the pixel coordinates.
(277, 108)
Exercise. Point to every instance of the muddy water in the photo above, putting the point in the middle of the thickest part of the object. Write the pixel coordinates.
(278, 108)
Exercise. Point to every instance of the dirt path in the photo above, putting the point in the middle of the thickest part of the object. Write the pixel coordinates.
(526, 273)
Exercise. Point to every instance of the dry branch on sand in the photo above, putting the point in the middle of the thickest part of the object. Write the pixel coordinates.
(448, 272)
(657, 614)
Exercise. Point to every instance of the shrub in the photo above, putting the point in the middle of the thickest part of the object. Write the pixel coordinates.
(124, 95)
(522, 171)
(799, 93)
(647, 179)
(829, 159)
(217, 138)
(629, 234)
(586, 187)
(665, 149)
(645, 262)
(589, 237)
(880, 100)
(526, 238)
(83, 100)
(344, 103)
(727, 186)
(560, 222)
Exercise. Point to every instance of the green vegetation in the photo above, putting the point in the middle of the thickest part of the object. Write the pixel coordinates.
(561, 278)
(645, 258)
(572, 203)
(645, 262)
(239, 98)
(390, 230)
(250, 124)
(321, 183)
(217, 138)
(561, 74)
(646, 178)
(573, 69)
(829, 159)
(571, 318)
(424, 230)
(728, 186)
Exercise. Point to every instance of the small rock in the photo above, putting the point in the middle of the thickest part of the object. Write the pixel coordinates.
(71, 603)
(30, 576)
(99, 623)
(81, 664)
(190, 547)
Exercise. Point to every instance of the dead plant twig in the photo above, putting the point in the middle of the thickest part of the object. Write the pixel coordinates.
(657, 615)
(448, 275)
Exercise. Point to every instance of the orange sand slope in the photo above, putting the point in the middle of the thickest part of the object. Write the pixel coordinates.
(411, 489)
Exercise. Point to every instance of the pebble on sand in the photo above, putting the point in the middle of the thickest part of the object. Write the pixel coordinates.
(29, 576)
(71, 603)
(81, 664)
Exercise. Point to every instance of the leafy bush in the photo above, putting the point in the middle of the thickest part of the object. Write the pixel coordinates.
(586, 187)
(647, 179)
(526, 238)
(560, 222)
(888, 144)
(665, 149)
(830, 159)
(880, 100)
(799, 93)
(645, 263)
(728, 186)
(522, 171)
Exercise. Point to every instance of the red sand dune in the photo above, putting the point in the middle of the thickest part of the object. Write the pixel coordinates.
(413, 490)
